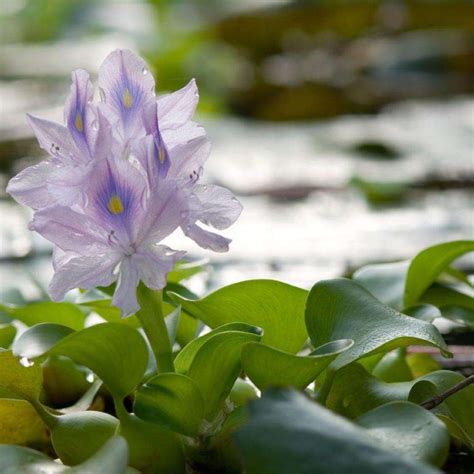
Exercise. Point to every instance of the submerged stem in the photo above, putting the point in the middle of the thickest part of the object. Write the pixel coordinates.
(152, 320)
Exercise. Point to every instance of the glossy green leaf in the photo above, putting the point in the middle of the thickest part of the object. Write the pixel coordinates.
(342, 309)
(393, 367)
(266, 366)
(386, 281)
(171, 400)
(460, 406)
(216, 366)
(421, 364)
(111, 459)
(242, 392)
(115, 352)
(186, 355)
(39, 339)
(17, 380)
(184, 270)
(7, 334)
(67, 314)
(274, 306)
(78, 436)
(20, 424)
(287, 433)
(428, 264)
(423, 312)
(152, 448)
(409, 429)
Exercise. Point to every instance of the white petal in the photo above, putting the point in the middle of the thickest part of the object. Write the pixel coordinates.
(83, 272)
(29, 187)
(177, 108)
(154, 263)
(220, 208)
(207, 239)
(125, 296)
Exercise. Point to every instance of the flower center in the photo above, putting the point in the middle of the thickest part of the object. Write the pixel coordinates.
(115, 205)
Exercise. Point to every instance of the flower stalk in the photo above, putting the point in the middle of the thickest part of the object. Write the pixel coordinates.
(152, 320)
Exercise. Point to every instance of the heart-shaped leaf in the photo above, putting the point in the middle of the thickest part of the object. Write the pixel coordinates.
(342, 309)
(19, 381)
(274, 306)
(287, 433)
(393, 367)
(78, 436)
(216, 366)
(266, 366)
(111, 350)
(20, 424)
(428, 264)
(186, 355)
(67, 314)
(171, 400)
(410, 429)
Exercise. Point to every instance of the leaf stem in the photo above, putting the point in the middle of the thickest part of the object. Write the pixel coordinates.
(152, 320)
(438, 399)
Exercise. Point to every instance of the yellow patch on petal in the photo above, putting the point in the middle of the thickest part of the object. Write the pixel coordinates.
(78, 122)
(161, 155)
(115, 205)
(127, 99)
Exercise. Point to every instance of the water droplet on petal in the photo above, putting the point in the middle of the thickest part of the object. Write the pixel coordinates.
(90, 100)
(95, 125)
(144, 71)
(184, 214)
(25, 362)
(205, 188)
(153, 91)
(103, 97)
(234, 199)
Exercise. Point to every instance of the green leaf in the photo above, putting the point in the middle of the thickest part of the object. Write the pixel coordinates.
(266, 366)
(216, 366)
(287, 434)
(39, 339)
(409, 429)
(7, 334)
(342, 309)
(171, 400)
(460, 406)
(393, 367)
(78, 436)
(386, 281)
(274, 306)
(111, 459)
(421, 364)
(115, 352)
(17, 381)
(152, 449)
(186, 355)
(423, 312)
(67, 314)
(428, 264)
(184, 270)
(20, 424)
(242, 392)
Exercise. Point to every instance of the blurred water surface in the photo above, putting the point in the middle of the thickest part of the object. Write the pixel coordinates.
(322, 194)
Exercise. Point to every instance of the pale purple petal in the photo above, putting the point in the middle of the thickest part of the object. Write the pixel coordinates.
(83, 272)
(188, 159)
(78, 111)
(220, 208)
(154, 263)
(207, 239)
(178, 136)
(167, 208)
(125, 296)
(177, 108)
(29, 187)
(70, 230)
(126, 87)
(55, 140)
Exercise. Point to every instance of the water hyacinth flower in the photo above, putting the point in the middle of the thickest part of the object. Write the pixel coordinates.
(123, 174)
